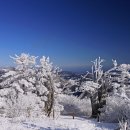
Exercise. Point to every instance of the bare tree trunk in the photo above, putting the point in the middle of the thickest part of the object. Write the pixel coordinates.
(53, 114)
(73, 115)
(49, 104)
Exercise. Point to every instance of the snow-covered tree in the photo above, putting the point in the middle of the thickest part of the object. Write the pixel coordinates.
(18, 81)
(94, 86)
(24, 61)
(118, 102)
(114, 63)
(22, 77)
(48, 85)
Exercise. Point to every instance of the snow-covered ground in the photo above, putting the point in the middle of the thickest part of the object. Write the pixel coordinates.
(62, 123)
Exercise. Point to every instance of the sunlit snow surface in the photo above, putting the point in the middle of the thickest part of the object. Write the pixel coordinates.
(62, 123)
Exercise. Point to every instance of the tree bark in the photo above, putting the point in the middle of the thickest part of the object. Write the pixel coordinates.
(94, 105)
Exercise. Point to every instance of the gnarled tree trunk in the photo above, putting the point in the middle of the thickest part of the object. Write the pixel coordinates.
(98, 100)
(94, 105)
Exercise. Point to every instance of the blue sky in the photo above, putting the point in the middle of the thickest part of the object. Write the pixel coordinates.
(70, 32)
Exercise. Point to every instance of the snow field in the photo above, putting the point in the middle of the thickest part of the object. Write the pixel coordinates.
(62, 123)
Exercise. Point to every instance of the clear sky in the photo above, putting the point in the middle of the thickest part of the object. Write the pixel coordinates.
(70, 32)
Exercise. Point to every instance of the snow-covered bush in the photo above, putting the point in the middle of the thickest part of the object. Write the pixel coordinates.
(74, 105)
(28, 105)
(116, 108)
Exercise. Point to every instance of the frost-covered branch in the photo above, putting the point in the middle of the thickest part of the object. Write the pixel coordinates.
(97, 71)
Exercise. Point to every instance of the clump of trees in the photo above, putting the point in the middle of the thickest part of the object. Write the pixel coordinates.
(32, 89)
(29, 88)
(108, 91)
